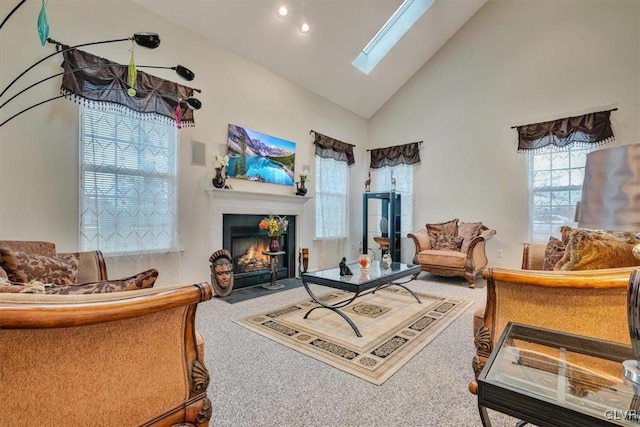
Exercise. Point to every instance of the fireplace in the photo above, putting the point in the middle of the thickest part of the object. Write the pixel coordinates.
(242, 237)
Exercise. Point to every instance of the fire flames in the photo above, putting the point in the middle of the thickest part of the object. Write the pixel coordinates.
(252, 259)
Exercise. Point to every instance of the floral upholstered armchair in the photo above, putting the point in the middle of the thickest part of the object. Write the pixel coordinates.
(452, 248)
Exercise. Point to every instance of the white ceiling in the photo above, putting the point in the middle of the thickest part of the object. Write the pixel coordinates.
(320, 60)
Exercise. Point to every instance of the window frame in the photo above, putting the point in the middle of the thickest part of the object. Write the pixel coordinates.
(539, 230)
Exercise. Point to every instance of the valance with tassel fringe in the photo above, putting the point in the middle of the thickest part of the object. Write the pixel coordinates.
(586, 129)
(406, 154)
(90, 78)
(329, 148)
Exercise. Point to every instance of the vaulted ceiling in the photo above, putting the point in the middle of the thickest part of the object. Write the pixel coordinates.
(320, 60)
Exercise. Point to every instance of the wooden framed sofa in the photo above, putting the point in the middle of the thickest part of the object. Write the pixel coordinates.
(127, 358)
(115, 359)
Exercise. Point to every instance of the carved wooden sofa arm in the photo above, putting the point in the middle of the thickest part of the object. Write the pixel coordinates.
(591, 303)
(122, 358)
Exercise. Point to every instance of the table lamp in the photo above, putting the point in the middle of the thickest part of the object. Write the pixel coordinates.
(611, 201)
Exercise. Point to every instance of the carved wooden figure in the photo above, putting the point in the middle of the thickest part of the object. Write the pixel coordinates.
(221, 272)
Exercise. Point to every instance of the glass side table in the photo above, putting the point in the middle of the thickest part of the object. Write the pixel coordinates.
(550, 378)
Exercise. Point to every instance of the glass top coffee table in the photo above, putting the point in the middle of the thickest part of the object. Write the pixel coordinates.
(550, 378)
(360, 283)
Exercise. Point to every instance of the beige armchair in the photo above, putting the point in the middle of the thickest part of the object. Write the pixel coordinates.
(452, 249)
(591, 303)
(128, 358)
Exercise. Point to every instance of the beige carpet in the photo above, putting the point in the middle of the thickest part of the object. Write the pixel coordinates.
(393, 325)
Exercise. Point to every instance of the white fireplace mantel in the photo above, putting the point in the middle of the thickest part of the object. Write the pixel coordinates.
(225, 201)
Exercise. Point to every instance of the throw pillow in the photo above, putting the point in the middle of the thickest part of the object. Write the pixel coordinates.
(448, 243)
(143, 280)
(468, 231)
(23, 268)
(591, 250)
(3, 274)
(449, 228)
(565, 231)
(553, 252)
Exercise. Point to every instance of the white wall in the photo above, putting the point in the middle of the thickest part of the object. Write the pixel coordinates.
(514, 62)
(39, 150)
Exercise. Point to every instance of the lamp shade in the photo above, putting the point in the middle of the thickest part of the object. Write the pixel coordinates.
(611, 190)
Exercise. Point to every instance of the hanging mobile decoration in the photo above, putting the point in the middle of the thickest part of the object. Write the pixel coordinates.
(43, 24)
(179, 115)
(133, 73)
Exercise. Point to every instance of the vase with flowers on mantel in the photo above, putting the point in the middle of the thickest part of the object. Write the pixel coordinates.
(219, 165)
(219, 180)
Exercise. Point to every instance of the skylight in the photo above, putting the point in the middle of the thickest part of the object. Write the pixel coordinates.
(392, 31)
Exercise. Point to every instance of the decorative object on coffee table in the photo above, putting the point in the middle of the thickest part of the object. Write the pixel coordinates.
(386, 261)
(344, 270)
(364, 261)
(221, 272)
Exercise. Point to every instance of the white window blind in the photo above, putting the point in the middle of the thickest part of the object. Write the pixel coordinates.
(332, 183)
(128, 182)
(555, 186)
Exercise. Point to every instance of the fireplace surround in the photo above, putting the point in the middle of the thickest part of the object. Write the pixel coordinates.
(242, 237)
(224, 202)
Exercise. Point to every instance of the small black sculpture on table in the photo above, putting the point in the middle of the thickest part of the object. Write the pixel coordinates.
(344, 270)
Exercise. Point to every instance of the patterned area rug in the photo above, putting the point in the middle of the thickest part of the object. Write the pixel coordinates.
(394, 328)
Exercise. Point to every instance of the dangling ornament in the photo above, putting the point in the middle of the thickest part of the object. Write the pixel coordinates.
(133, 73)
(43, 24)
(178, 116)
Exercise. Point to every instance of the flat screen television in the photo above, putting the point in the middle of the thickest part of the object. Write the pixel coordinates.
(259, 157)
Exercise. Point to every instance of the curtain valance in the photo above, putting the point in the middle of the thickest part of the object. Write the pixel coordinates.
(591, 128)
(329, 148)
(406, 154)
(90, 77)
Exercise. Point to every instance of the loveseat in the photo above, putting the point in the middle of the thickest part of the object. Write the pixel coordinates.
(591, 302)
(126, 358)
(452, 249)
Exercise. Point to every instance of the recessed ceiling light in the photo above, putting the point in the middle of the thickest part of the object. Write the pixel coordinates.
(304, 27)
(282, 12)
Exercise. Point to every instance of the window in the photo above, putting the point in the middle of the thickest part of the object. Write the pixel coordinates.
(332, 181)
(555, 186)
(128, 182)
